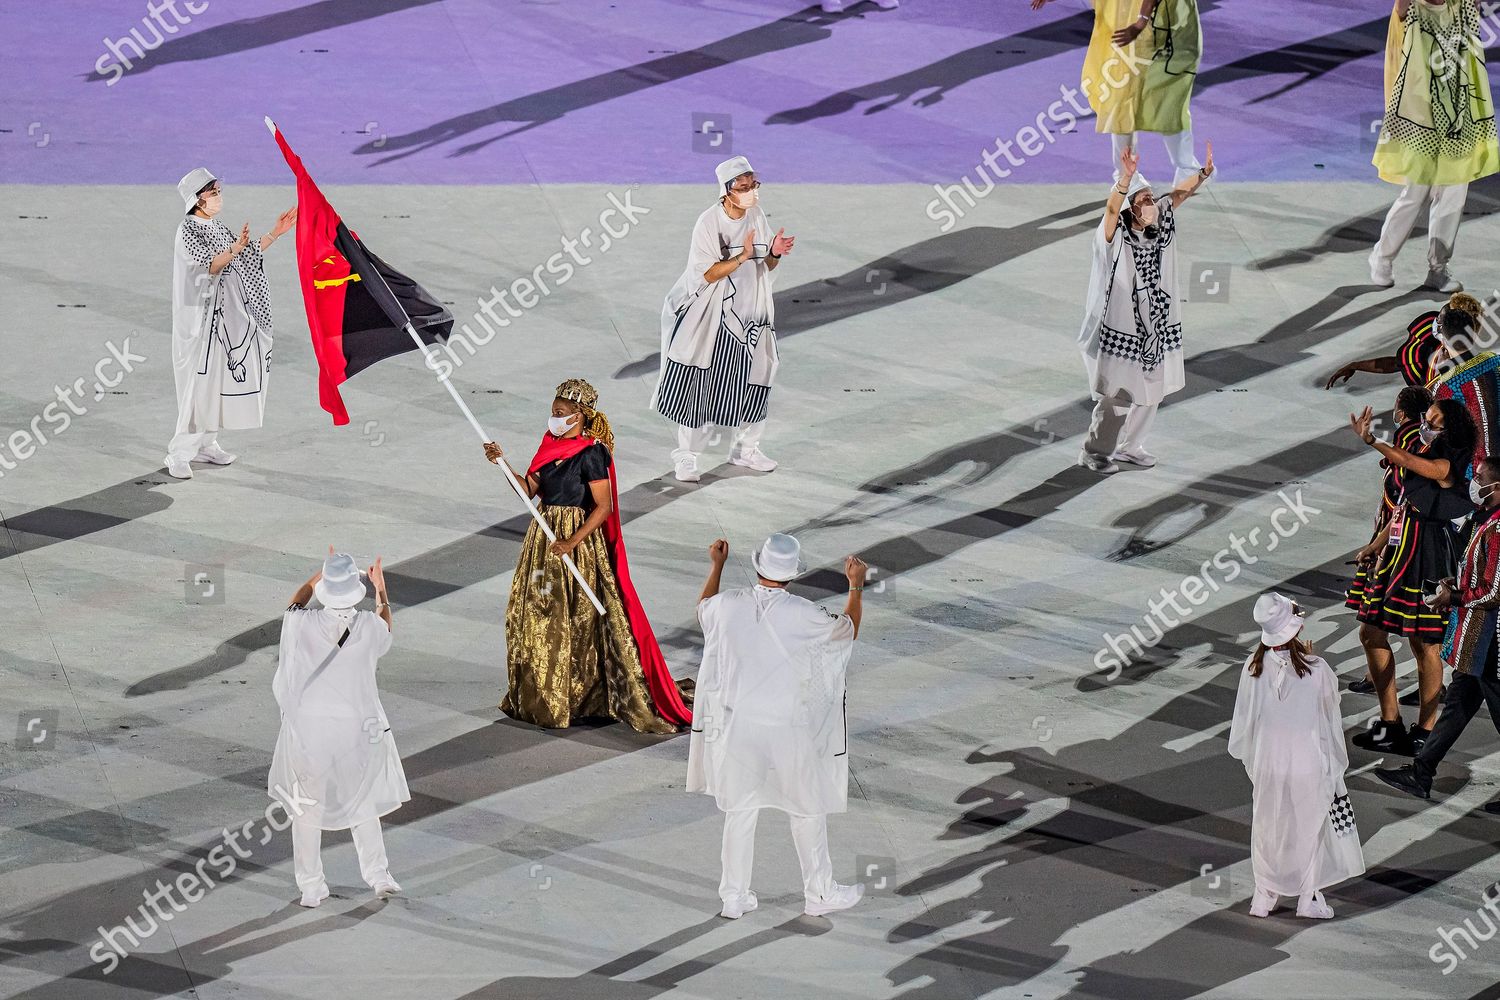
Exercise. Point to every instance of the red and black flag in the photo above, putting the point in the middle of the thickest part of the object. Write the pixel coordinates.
(357, 304)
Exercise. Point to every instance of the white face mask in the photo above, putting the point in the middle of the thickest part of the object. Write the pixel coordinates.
(1428, 434)
(745, 199)
(560, 425)
(1476, 492)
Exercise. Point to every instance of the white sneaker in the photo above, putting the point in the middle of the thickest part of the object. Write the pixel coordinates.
(1442, 281)
(887, 4)
(840, 897)
(1139, 457)
(214, 455)
(1314, 907)
(687, 469)
(752, 459)
(1380, 270)
(735, 909)
(311, 900)
(386, 888)
(178, 469)
(834, 6)
(1263, 902)
(1097, 463)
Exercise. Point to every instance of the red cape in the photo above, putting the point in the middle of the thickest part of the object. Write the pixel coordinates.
(664, 693)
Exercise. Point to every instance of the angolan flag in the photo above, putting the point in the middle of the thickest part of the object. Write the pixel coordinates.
(357, 304)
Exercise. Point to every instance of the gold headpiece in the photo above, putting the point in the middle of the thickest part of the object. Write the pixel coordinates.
(578, 391)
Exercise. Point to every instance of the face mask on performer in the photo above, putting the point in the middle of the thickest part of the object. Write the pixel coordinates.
(1146, 213)
(1477, 492)
(745, 195)
(559, 426)
(1428, 433)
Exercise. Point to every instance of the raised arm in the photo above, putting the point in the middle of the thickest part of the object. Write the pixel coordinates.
(1182, 194)
(382, 602)
(718, 553)
(1438, 470)
(1129, 160)
(857, 571)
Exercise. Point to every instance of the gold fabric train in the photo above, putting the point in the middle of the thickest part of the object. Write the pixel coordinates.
(565, 661)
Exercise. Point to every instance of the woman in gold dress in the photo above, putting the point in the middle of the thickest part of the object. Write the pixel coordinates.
(565, 660)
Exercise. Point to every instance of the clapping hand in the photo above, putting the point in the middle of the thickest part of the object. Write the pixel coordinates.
(285, 221)
(749, 250)
(1362, 423)
(781, 245)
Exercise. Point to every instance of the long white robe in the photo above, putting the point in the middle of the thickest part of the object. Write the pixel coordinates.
(1131, 350)
(335, 745)
(221, 331)
(1288, 731)
(769, 726)
(718, 340)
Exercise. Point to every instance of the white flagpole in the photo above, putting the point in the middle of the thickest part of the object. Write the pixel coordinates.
(514, 484)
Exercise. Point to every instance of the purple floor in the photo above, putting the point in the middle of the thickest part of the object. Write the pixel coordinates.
(544, 91)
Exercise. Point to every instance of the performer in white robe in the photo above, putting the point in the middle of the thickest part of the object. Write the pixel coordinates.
(769, 727)
(1132, 328)
(1288, 731)
(335, 766)
(221, 326)
(718, 336)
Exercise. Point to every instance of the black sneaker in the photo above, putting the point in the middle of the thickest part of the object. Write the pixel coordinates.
(1404, 778)
(1385, 737)
(1493, 808)
(1414, 696)
(1363, 686)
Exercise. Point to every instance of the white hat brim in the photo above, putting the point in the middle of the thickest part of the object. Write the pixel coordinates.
(801, 568)
(346, 596)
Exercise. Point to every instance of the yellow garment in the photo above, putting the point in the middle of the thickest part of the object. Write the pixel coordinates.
(564, 661)
(1439, 126)
(1146, 86)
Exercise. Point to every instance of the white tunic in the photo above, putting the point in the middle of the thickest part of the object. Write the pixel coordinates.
(769, 727)
(702, 322)
(335, 745)
(221, 331)
(1132, 329)
(1288, 731)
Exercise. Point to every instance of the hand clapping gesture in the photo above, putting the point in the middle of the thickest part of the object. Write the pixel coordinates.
(1362, 424)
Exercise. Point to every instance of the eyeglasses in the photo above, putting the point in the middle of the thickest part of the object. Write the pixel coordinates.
(752, 186)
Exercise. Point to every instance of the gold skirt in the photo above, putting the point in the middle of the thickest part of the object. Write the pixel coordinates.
(565, 661)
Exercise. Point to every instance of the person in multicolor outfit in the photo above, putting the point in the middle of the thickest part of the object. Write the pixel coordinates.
(1422, 550)
(1415, 359)
(1473, 600)
(1411, 405)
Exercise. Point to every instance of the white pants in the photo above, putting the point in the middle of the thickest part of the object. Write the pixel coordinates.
(1119, 426)
(1443, 217)
(307, 854)
(185, 447)
(809, 834)
(692, 440)
(1179, 150)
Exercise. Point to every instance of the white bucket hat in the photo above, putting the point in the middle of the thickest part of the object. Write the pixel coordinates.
(340, 585)
(192, 182)
(1278, 619)
(1137, 182)
(779, 559)
(732, 168)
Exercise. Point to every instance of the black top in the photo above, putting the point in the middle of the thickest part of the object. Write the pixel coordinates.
(1433, 502)
(565, 483)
